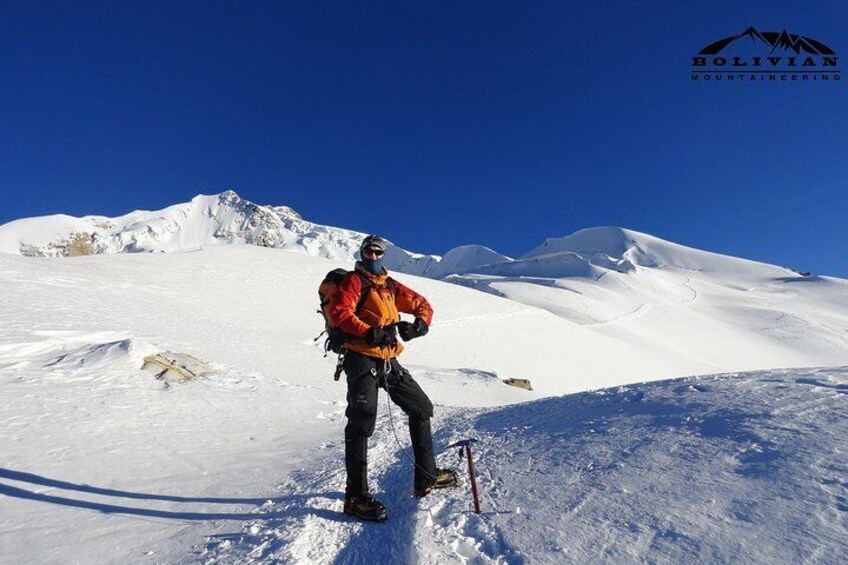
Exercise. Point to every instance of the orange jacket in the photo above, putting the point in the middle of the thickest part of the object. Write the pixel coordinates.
(380, 307)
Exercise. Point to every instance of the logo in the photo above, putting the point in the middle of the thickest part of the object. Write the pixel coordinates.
(765, 56)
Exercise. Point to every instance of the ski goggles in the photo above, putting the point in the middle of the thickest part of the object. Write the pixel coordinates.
(373, 252)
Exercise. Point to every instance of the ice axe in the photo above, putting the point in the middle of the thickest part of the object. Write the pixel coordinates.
(465, 445)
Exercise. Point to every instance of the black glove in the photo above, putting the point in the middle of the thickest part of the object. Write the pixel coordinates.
(412, 330)
(405, 330)
(379, 336)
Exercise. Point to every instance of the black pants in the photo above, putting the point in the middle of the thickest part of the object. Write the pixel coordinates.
(364, 375)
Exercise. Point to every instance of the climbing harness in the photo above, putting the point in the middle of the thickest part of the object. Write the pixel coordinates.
(387, 368)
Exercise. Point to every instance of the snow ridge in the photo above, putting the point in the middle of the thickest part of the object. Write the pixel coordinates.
(205, 220)
(227, 218)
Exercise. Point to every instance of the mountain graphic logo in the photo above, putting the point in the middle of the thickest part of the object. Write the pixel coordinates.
(772, 42)
(755, 55)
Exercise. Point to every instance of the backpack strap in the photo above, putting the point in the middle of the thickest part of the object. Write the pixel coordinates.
(390, 282)
(366, 286)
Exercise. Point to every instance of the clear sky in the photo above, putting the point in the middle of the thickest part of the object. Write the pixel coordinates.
(435, 124)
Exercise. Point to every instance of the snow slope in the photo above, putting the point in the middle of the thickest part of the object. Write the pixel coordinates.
(665, 298)
(103, 463)
(665, 309)
(739, 468)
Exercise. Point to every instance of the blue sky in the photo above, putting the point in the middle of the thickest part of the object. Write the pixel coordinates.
(435, 124)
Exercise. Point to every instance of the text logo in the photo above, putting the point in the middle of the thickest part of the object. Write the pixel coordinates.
(765, 56)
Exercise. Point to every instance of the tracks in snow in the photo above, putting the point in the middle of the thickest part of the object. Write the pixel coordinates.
(309, 526)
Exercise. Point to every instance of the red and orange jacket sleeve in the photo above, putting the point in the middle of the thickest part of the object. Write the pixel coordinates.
(343, 307)
(410, 302)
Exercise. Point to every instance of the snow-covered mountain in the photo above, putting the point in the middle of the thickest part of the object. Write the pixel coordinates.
(205, 220)
(244, 465)
(665, 298)
(213, 220)
(227, 218)
(686, 310)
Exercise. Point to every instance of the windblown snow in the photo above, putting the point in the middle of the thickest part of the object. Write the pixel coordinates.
(103, 462)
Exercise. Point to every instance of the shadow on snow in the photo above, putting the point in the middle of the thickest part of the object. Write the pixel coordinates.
(22, 493)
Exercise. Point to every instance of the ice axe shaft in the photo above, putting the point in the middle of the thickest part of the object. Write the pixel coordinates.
(472, 477)
(466, 445)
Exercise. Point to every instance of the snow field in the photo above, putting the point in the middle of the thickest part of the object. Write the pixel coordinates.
(103, 463)
(729, 468)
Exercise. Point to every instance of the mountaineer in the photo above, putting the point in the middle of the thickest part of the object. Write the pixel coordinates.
(365, 310)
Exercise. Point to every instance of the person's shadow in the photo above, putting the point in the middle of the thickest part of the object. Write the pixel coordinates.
(22, 493)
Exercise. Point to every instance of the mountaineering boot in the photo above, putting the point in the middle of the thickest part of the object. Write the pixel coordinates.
(443, 478)
(364, 507)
